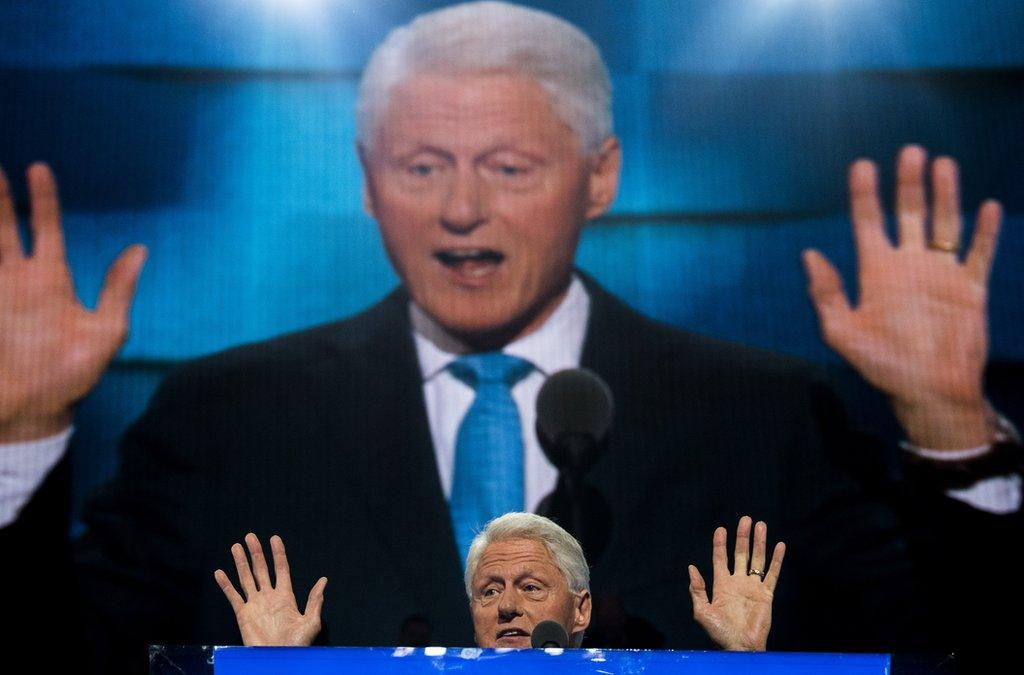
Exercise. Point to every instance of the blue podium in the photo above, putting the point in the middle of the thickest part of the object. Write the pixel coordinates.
(472, 661)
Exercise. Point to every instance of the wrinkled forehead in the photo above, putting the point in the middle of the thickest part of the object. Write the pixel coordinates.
(513, 557)
(472, 110)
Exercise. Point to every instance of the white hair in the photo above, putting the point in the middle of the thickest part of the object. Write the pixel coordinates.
(491, 36)
(564, 549)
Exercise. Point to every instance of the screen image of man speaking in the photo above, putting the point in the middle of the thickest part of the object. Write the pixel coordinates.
(379, 445)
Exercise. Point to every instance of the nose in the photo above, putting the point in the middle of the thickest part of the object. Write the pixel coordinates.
(464, 209)
(508, 607)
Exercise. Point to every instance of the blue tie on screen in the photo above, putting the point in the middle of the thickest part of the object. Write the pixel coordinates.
(488, 479)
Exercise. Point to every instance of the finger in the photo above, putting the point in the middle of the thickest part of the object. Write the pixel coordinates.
(282, 573)
(946, 221)
(119, 285)
(698, 589)
(719, 556)
(259, 563)
(10, 241)
(983, 243)
(741, 552)
(825, 287)
(866, 210)
(245, 579)
(47, 236)
(910, 196)
(315, 601)
(236, 600)
(772, 578)
(760, 542)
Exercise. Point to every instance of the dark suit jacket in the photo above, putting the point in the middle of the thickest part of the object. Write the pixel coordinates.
(322, 437)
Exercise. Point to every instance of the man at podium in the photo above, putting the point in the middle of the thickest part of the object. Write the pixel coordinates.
(522, 570)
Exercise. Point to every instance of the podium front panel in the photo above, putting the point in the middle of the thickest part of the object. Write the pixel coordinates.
(472, 661)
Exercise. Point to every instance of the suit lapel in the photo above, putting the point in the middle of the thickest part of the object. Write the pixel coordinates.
(399, 470)
(607, 349)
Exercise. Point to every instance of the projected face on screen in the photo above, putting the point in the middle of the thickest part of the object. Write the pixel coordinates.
(516, 586)
(480, 191)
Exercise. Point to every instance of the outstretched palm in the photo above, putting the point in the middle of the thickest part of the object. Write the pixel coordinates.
(52, 349)
(918, 332)
(268, 614)
(739, 615)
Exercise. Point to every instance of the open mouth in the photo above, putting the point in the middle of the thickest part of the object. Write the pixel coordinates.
(470, 262)
(511, 632)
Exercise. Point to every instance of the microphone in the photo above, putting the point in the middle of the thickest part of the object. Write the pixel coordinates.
(548, 634)
(574, 414)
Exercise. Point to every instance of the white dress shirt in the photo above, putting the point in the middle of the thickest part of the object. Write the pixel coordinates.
(556, 345)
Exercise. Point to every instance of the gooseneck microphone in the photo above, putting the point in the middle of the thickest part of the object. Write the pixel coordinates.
(574, 414)
(548, 634)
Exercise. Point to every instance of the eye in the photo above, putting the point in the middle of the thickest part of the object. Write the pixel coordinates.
(510, 170)
(420, 169)
(533, 590)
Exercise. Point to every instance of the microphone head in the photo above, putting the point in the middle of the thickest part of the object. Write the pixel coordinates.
(548, 634)
(574, 413)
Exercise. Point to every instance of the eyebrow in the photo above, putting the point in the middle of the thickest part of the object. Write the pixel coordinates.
(420, 149)
(529, 574)
(447, 154)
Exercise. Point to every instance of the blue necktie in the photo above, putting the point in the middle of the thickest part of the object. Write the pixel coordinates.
(488, 478)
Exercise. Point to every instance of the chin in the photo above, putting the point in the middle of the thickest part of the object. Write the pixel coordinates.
(477, 323)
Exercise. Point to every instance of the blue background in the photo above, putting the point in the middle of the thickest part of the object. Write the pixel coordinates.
(220, 134)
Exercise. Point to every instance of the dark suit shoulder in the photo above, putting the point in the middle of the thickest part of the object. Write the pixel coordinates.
(337, 345)
(645, 344)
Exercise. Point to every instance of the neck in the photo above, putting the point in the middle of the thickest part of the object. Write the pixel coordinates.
(497, 339)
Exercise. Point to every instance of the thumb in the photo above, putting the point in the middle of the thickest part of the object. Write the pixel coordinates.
(698, 589)
(119, 285)
(315, 602)
(825, 287)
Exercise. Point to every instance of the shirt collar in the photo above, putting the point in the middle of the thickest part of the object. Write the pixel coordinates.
(556, 345)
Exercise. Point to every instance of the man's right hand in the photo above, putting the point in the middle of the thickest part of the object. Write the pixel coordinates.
(267, 614)
(52, 349)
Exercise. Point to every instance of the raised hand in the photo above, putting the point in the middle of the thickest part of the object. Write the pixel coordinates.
(52, 349)
(919, 330)
(739, 615)
(268, 616)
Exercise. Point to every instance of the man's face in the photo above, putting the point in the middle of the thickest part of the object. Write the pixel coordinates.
(481, 191)
(516, 586)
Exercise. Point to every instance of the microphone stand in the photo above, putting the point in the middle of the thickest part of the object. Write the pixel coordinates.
(574, 504)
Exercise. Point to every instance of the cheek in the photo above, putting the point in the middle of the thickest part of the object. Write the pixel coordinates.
(403, 217)
(405, 239)
(548, 231)
(483, 627)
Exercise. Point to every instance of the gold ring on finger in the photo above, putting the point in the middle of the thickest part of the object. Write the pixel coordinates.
(758, 572)
(944, 246)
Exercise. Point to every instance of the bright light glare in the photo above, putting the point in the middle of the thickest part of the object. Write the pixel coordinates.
(299, 8)
(792, 3)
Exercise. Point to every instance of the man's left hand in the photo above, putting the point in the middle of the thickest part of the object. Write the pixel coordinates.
(738, 615)
(919, 332)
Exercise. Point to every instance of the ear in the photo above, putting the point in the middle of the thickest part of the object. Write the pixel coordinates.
(603, 183)
(369, 195)
(581, 617)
